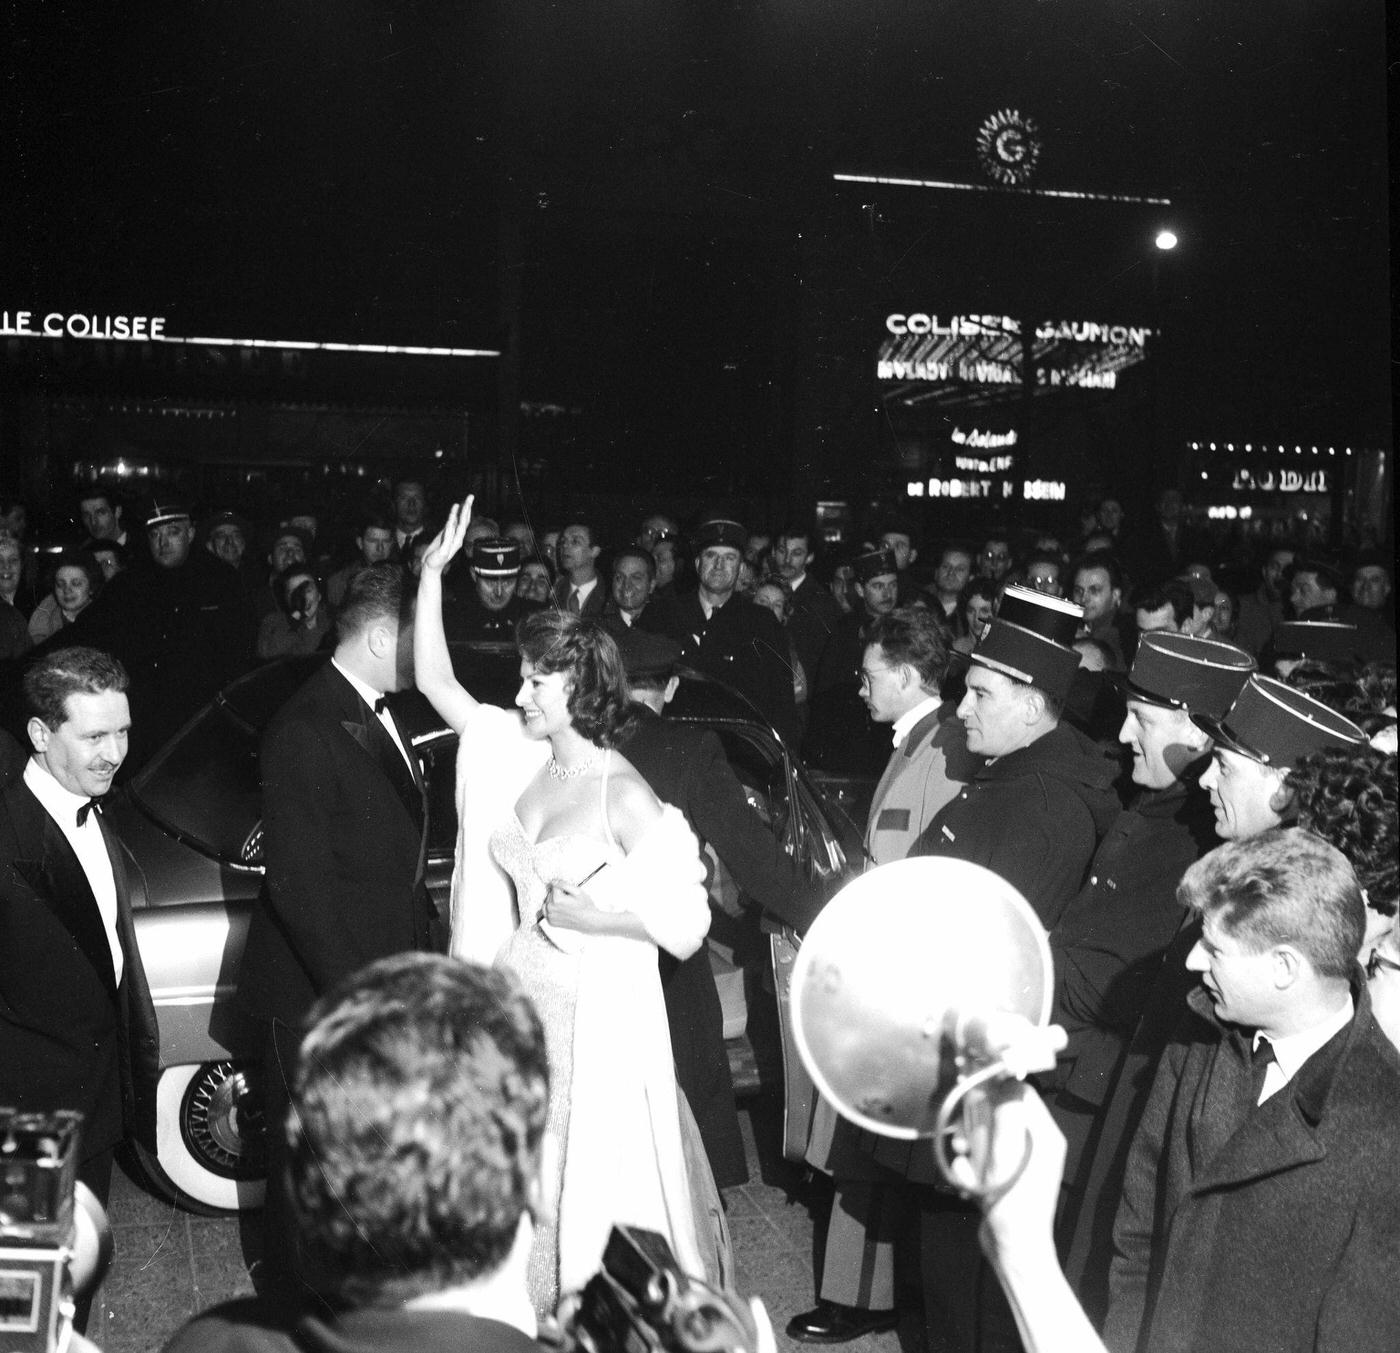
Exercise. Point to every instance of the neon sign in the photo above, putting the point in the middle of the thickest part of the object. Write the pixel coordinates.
(20, 324)
(1283, 481)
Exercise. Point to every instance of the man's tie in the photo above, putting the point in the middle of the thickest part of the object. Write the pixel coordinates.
(92, 805)
(1261, 1059)
(573, 602)
(381, 704)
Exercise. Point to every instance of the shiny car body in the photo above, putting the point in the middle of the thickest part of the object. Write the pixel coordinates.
(192, 823)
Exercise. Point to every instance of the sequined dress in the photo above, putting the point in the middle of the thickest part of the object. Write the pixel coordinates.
(613, 1114)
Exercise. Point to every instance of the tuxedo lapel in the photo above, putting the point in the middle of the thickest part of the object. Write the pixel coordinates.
(360, 722)
(57, 879)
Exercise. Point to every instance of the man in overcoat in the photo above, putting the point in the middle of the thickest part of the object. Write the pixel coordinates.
(1261, 1209)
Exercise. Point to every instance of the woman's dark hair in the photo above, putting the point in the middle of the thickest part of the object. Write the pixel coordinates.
(539, 559)
(76, 559)
(1347, 796)
(1332, 683)
(586, 654)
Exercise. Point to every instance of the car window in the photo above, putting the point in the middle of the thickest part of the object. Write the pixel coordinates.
(204, 786)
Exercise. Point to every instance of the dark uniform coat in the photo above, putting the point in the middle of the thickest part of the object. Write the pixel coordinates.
(740, 643)
(183, 634)
(686, 767)
(1034, 816)
(71, 1037)
(1263, 1229)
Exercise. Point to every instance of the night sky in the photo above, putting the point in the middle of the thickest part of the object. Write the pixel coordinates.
(653, 181)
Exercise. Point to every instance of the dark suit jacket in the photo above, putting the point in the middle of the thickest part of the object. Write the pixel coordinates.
(1272, 1229)
(686, 767)
(70, 1036)
(344, 833)
(592, 604)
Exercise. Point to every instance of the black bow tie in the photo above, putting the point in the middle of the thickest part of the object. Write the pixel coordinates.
(381, 704)
(92, 805)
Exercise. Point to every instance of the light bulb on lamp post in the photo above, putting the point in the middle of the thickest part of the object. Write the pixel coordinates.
(1165, 240)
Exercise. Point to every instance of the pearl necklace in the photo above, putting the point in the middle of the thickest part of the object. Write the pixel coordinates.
(558, 772)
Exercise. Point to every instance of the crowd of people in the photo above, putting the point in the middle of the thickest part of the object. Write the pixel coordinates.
(1189, 775)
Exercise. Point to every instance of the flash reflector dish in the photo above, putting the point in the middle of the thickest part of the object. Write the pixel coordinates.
(906, 980)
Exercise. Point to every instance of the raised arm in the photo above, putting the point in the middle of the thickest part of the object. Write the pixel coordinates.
(432, 663)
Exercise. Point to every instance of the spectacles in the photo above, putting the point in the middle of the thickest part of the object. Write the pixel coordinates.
(867, 677)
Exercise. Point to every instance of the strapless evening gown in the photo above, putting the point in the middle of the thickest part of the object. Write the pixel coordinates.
(628, 1148)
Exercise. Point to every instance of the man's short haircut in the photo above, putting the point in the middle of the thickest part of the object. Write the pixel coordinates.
(373, 518)
(69, 671)
(1040, 556)
(91, 491)
(418, 1108)
(378, 593)
(957, 547)
(913, 635)
(582, 525)
(402, 479)
(1099, 559)
(1284, 886)
(636, 552)
(1348, 796)
(799, 530)
(1173, 592)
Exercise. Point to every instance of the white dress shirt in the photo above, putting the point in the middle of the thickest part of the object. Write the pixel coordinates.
(904, 725)
(370, 696)
(1291, 1052)
(88, 845)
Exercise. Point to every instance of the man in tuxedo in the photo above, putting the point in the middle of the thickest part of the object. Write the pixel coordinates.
(77, 1027)
(344, 833)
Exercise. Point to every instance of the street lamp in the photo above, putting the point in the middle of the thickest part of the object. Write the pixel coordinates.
(1166, 239)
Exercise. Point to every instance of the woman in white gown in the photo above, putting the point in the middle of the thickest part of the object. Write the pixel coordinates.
(571, 873)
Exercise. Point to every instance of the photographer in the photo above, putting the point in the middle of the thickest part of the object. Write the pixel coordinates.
(414, 1144)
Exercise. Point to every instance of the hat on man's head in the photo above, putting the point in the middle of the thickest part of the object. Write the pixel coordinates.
(720, 531)
(1203, 590)
(1275, 724)
(1179, 671)
(1050, 617)
(1328, 567)
(496, 557)
(873, 564)
(645, 654)
(225, 518)
(1024, 655)
(158, 511)
(1320, 640)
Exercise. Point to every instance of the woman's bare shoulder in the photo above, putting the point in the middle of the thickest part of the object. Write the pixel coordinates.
(628, 794)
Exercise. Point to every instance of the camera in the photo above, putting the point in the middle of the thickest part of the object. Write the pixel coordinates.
(641, 1302)
(54, 1238)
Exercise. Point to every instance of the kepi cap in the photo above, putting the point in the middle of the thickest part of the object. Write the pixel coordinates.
(1321, 640)
(1050, 617)
(721, 531)
(1277, 725)
(496, 557)
(1180, 671)
(873, 564)
(1024, 655)
(158, 511)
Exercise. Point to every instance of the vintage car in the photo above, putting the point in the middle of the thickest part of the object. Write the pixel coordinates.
(191, 819)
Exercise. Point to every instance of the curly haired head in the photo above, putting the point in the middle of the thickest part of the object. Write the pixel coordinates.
(414, 1135)
(586, 654)
(1348, 797)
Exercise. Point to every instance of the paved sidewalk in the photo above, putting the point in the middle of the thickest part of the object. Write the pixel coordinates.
(169, 1264)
